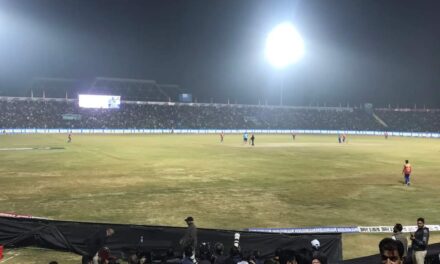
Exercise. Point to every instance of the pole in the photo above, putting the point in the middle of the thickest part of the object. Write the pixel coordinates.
(282, 87)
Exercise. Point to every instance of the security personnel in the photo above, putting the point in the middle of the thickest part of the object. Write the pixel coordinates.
(420, 242)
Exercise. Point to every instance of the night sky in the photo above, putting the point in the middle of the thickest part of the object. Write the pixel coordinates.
(356, 51)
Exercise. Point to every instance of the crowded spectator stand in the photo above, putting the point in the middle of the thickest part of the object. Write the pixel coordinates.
(26, 112)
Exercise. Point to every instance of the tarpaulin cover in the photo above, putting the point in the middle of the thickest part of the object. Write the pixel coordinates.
(70, 236)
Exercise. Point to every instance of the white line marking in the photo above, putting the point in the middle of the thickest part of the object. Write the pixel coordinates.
(6, 149)
(4, 260)
(34, 148)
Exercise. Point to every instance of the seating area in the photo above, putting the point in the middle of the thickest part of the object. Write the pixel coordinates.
(410, 120)
(48, 113)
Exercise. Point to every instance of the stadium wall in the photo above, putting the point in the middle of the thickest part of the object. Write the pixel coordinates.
(213, 131)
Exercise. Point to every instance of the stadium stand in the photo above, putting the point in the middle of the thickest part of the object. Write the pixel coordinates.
(411, 120)
(50, 113)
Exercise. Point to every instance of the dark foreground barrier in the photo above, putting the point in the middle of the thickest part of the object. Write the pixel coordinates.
(431, 258)
(70, 236)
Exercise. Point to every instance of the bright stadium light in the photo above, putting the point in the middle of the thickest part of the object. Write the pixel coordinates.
(284, 46)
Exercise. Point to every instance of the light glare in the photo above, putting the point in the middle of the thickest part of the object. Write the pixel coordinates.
(284, 45)
(99, 101)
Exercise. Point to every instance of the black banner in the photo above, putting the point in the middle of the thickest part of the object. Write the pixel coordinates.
(70, 236)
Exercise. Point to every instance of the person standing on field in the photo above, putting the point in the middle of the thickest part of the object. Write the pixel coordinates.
(245, 138)
(189, 240)
(407, 169)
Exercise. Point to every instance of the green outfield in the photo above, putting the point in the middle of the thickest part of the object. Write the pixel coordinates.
(281, 182)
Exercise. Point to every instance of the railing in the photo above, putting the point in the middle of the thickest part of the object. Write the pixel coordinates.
(212, 131)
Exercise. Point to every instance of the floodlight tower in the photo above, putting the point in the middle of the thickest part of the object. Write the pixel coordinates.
(284, 46)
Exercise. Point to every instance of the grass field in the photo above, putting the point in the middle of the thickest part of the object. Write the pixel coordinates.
(160, 179)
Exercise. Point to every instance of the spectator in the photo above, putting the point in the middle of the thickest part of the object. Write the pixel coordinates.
(288, 257)
(94, 243)
(420, 241)
(398, 235)
(187, 256)
(319, 260)
(234, 255)
(391, 251)
(204, 253)
(218, 257)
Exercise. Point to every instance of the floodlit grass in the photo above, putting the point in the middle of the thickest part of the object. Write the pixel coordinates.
(160, 179)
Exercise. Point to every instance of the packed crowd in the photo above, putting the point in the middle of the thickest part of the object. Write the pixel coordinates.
(411, 121)
(217, 255)
(50, 114)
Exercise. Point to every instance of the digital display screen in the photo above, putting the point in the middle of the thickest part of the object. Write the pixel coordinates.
(99, 101)
(186, 98)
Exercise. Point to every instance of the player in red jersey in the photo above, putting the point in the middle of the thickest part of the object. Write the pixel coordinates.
(407, 169)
